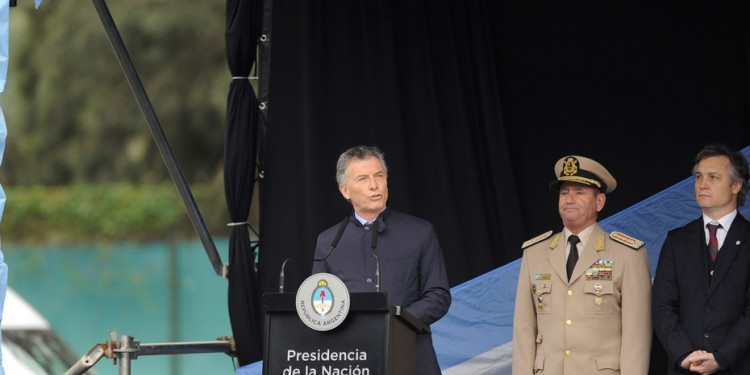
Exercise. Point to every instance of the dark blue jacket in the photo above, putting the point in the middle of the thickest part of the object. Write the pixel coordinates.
(412, 270)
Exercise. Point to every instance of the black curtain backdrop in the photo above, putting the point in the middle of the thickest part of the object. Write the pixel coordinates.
(243, 26)
(473, 101)
(418, 82)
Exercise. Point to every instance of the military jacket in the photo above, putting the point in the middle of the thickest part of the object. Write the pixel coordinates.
(599, 322)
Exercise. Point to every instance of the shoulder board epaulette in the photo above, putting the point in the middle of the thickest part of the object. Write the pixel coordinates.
(536, 239)
(626, 240)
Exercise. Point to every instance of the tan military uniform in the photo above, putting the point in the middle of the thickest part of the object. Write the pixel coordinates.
(599, 323)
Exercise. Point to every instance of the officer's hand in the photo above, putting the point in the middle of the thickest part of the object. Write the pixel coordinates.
(705, 364)
(693, 359)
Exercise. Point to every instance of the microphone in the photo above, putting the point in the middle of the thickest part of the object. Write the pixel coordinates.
(336, 239)
(373, 245)
(281, 275)
(334, 243)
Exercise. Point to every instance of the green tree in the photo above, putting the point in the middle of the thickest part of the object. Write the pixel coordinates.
(71, 115)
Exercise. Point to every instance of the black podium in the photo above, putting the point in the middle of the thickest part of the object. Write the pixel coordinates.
(374, 339)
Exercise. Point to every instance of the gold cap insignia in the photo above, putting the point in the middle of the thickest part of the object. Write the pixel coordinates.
(570, 167)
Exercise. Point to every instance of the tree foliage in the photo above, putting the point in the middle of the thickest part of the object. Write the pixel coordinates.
(113, 212)
(72, 118)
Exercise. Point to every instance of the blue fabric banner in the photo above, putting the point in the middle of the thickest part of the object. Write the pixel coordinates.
(475, 337)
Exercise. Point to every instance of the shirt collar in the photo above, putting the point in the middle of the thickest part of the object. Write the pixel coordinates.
(583, 235)
(725, 221)
(362, 220)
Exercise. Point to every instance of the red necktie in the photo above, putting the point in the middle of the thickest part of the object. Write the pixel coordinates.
(713, 242)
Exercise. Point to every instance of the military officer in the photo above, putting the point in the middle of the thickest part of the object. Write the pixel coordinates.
(583, 304)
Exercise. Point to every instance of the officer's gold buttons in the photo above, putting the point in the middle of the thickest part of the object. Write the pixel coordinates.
(569, 322)
(570, 292)
(568, 353)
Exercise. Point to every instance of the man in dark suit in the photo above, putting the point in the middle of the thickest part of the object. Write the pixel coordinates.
(701, 290)
(413, 269)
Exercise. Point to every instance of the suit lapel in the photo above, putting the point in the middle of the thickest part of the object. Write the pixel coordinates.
(736, 237)
(557, 256)
(696, 251)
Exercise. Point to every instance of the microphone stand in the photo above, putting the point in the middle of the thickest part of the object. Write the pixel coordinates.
(373, 245)
(334, 243)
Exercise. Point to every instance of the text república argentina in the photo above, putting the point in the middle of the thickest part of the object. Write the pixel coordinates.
(323, 322)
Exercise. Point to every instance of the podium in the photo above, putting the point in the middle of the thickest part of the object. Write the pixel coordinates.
(374, 339)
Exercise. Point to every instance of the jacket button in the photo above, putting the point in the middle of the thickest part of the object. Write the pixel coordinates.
(569, 322)
(568, 353)
(570, 292)
(706, 335)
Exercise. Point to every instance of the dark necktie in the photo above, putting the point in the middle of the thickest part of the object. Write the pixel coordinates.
(573, 256)
(713, 242)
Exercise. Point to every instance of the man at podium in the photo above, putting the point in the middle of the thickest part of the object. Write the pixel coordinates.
(377, 238)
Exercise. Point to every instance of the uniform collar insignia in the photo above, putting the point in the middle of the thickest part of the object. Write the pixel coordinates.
(553, 244)
(599, 243)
